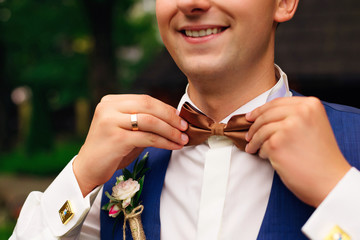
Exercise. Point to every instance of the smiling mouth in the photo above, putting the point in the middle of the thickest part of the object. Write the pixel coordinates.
(202, 32)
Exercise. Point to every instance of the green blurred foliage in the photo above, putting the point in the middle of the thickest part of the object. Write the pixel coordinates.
(132, 29)
(44, 163)
(40, 39)
(6, 229)
(49, 45)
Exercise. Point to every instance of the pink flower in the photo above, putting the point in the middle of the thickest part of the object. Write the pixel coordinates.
(125, 190)
(114, 211)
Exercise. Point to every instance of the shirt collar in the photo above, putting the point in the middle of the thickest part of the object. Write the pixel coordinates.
(280, 89)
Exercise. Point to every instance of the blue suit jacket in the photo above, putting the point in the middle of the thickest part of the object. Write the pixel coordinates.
(285, 214)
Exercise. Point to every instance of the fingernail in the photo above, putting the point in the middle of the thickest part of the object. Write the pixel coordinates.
(247, 136)
(184, 124)
(247, 115)
(177, 112)
(246, 147)
(184, 138)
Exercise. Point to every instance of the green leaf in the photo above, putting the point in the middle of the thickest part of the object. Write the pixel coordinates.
(137, 196)
(135, 166)
(106, 206)
(127, 174)
(129, 208)
(141, 165)
(142, 173)
(112, 204)
(111, 197)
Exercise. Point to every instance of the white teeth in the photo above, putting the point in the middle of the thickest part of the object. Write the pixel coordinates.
(202, 33)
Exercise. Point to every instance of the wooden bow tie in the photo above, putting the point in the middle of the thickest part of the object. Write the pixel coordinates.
(202, 127)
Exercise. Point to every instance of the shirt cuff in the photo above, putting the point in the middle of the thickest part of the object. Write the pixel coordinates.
(65, 188)
(341, 209)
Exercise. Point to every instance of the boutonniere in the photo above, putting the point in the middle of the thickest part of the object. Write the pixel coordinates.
(125, 198)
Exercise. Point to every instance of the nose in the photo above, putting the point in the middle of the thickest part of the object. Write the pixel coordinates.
(193, 7)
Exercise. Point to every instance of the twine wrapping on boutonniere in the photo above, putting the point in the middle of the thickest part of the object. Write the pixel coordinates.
(125, 196)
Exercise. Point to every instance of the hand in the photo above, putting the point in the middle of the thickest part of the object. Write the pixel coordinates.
(111, 144)
(296, 136)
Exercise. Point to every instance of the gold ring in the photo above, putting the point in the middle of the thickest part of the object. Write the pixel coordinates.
(134, 122)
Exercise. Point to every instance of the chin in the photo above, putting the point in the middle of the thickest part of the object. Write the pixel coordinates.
(202, 69)
(203, 73)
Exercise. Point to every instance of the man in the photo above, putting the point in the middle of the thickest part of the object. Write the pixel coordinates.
(214, 190)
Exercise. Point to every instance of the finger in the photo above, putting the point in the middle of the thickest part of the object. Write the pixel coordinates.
(151, 124)
(264, 151)
(145, 139)
(283, 101)
(261, 136)
(274, 114)
(270, 148)
(145, 104)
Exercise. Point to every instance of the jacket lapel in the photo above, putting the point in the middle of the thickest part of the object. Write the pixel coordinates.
(285, 214)
(153, 184)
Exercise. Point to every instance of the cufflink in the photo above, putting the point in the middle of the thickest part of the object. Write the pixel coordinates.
(337, 233)
(66, 213)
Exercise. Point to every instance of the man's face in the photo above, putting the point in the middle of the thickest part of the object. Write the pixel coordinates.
(215, 36)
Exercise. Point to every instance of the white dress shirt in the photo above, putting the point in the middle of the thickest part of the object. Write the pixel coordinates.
(241, 213)
(186, 214)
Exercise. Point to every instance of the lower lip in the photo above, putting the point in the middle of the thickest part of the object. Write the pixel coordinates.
(197, 40)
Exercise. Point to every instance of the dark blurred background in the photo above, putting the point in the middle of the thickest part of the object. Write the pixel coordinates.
(58, 58)
(320, 50)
